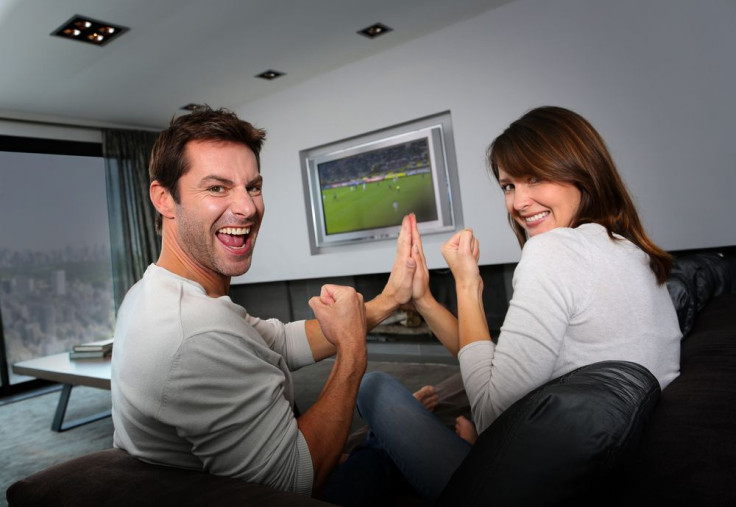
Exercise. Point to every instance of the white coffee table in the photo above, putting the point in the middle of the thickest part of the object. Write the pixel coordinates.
(59, 368)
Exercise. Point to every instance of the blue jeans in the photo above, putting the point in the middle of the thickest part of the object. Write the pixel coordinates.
(405, 439)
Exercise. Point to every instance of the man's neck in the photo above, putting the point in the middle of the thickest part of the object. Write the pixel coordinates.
(174, 260)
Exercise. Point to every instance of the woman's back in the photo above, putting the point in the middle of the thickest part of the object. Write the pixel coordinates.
(579, 297)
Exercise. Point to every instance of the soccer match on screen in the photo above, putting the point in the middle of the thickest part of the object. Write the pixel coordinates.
(377, 188)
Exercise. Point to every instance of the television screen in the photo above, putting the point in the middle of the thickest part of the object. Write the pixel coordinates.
(362, 188)
(374, 189)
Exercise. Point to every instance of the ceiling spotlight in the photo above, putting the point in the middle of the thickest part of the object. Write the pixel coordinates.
(270, 74)
(190, 107)
(375, 30)
(89, 30)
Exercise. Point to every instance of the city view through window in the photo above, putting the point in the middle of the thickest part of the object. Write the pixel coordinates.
(55, 270)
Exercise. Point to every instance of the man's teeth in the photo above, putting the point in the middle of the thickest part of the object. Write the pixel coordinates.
(536, 217)
(235, 231)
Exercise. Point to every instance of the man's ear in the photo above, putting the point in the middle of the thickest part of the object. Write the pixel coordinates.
(162, 199)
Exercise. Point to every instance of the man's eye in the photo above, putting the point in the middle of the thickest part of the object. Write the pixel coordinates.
(216, 189)
(255, 190)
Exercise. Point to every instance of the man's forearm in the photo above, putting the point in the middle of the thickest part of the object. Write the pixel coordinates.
(326, 424)
(376, 311)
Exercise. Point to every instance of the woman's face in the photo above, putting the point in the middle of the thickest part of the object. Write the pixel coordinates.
(539, 206)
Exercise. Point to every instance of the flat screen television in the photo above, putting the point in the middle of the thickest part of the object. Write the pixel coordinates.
(359, 189)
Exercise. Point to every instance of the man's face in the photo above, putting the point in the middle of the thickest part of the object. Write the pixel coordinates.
(220, 208)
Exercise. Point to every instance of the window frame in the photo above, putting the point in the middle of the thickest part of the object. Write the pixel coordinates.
(20, 144)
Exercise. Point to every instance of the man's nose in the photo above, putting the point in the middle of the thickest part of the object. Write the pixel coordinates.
(242, 203)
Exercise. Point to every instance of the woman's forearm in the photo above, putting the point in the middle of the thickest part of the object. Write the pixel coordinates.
(472, 324)
(442, 323)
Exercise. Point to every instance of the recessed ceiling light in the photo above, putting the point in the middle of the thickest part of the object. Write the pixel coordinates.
(89, 30)
(375, 30)
(270, 74)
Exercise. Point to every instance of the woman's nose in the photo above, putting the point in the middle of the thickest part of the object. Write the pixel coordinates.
(521, 197)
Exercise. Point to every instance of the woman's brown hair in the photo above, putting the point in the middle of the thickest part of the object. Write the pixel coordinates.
(556, 144)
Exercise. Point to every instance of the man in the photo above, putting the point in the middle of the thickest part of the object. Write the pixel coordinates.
(196, 381)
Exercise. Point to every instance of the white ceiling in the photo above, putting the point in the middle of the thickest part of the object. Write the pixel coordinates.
(182, 51)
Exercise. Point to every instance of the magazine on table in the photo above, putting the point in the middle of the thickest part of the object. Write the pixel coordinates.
(95, 346)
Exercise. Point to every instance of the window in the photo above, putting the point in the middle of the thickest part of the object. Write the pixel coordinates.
(55, 267)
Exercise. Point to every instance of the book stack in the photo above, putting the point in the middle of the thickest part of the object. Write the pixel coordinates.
(100, 349)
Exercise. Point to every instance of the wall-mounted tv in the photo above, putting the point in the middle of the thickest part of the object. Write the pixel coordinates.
(360, 188)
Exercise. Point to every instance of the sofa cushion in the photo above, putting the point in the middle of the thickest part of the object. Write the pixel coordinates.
(687, 454)
(561, 442)
(693, 281)
(114, 478)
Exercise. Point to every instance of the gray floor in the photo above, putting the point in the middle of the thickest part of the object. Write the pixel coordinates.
(28, 445)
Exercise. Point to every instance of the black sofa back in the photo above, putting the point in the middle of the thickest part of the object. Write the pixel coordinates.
(687, 455)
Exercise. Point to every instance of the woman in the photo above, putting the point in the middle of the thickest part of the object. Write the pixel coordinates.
(590, 286)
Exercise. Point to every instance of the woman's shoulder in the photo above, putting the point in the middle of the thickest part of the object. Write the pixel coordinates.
(565, 240)
(588, 246)
(565, 251)
(568, 240)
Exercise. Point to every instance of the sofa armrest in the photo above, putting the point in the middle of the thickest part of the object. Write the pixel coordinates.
(114, 478)
(561, 443)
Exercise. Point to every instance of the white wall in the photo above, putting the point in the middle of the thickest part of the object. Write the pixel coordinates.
(49, 131)
(656, 77)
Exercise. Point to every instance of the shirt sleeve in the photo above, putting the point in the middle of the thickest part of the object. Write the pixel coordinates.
(289, 340)
(547, 284)
(225, 395)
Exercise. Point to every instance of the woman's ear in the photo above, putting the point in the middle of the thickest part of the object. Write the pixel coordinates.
(162, 199)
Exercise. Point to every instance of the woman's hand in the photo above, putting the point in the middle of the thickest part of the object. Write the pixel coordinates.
(420, 283)
(461, 252)
(399, 286)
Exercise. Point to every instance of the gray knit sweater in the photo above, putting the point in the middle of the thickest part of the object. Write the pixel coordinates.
(198, 383)
(579, 298)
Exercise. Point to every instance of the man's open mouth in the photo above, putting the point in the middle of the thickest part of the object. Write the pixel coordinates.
(233, 237)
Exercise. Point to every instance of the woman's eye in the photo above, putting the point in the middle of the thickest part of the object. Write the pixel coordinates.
(508, 187)
(534, 179)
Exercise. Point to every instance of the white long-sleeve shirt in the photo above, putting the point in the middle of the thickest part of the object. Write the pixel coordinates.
(579, 298)
(198, 383)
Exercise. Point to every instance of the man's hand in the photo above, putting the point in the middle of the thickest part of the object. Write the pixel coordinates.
(341, 315)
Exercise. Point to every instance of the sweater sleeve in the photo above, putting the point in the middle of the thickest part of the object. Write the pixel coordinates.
(289, 340)
(547, 283)
(225, 395)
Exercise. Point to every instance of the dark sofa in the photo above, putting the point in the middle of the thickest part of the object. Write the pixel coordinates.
(687, 455)
(679, 450)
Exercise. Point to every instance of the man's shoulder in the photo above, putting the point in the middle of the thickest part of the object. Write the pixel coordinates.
(164, 298)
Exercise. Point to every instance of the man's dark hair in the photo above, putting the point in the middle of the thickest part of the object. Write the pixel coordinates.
(168, 157)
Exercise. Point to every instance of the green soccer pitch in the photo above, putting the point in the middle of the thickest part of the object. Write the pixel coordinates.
(379, 204)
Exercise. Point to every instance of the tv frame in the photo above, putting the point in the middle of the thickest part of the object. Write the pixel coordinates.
(436, 130)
